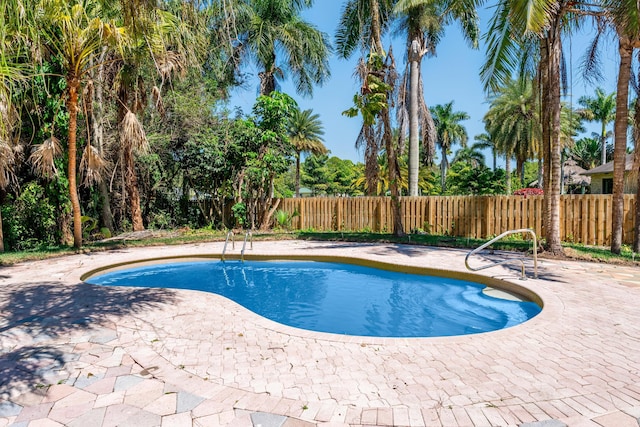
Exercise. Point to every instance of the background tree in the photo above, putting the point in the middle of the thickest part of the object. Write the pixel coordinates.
(424, 23)
(586, 152)
(362, 24)
(484, 141)
(513, 123)
(600, 108)
(449, 132)
(305, 134)
(270, 30)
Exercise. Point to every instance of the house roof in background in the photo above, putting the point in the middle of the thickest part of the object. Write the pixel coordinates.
(608, 167)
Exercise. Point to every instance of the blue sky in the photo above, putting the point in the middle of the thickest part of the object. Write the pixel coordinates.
(452, 75)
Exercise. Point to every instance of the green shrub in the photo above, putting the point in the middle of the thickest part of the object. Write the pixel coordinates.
(29, 221)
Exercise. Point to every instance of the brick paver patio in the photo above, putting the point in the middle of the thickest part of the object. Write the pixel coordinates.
(82, 355)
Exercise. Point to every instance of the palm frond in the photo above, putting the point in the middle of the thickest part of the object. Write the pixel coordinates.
(92, 166)
(7, 163)
(43, 157)
(133, 132)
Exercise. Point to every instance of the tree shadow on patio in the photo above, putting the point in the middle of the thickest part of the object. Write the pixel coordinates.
(33, 315)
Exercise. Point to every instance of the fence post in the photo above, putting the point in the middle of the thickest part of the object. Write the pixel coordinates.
(301, 212)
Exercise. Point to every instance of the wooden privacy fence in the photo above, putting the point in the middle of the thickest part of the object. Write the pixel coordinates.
(583, 218)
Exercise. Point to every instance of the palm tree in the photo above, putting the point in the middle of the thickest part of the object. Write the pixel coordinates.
(512, 121)
(514, 27)
(305, 134)
(362, 24)
(586, 151)
(449, 132)
(75, 32)
(624, 16)
(424, 22)
(471, 155)
(484, 141)
(165, 43)
(600, 108)
(11, 74)
(273, 29)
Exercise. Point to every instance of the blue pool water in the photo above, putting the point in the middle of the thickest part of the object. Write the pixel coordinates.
(339, 298)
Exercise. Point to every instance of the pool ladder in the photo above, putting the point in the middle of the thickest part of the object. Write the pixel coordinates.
(493, 264)
(231, 236)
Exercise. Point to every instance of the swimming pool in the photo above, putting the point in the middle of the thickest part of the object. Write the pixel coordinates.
(338, 298)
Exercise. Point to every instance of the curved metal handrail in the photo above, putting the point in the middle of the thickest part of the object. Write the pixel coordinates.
(495, 239)
(233, 243)
(247, 235)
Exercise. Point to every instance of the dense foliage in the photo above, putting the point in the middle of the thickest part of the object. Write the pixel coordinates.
(130, 131)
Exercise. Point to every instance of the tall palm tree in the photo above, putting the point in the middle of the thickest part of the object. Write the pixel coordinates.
(600, 108)
(273, 30)
(624, 16)
(361, 25)
(75, 32)
(514, 27)
(305, 134)
(449, 132)
(165, 44)
(424, 22)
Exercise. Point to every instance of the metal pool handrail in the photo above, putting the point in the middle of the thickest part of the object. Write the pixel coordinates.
(495, 239)
(247, 235)
(233, 243)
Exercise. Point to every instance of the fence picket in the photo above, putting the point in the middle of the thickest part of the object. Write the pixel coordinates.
(583, 218)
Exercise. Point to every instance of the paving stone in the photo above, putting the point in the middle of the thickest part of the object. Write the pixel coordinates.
(263, 419)
(177, 420)
(164, 405)
(129, 416)
(634, 412)
(187, 401)
(545, 423)
(125, 382)
(9, 409)
(93, 418)
(616, 419)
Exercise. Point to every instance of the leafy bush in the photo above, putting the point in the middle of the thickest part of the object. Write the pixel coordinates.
(29, 221)
(240, 213)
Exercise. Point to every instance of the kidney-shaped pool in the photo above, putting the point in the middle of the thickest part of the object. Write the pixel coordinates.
(339, 298)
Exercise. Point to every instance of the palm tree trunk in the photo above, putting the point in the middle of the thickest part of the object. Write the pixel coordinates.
(298, 174)
(1, 233)
(443, 171)
(551, 111)
(371, 168)
(267, 83)
(636, 168)
(620, 134)
(97, 121)
(131, 182)
(376, 31)
(507, 172)
(414, 153)
(603, 142)
(72, 108)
